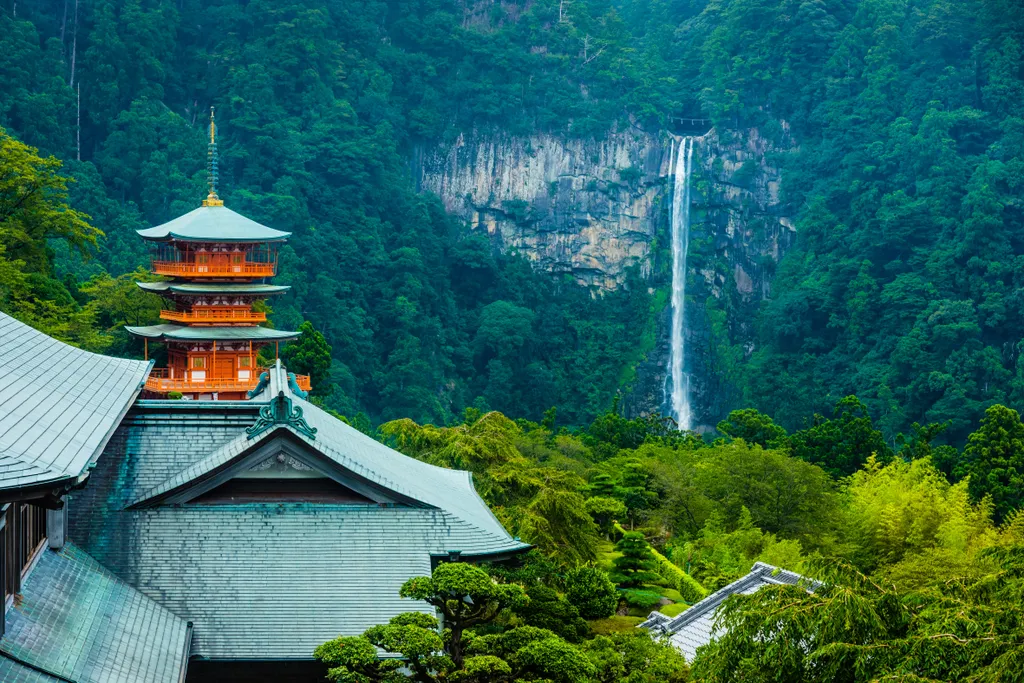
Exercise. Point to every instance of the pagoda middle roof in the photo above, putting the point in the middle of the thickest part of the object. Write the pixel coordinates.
(172, 332)
(213, 224)
(212, 287)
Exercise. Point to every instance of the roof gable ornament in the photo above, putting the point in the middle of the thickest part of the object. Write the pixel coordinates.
(280, 412)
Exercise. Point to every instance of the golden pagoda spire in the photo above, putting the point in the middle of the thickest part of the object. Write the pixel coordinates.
(211, 178)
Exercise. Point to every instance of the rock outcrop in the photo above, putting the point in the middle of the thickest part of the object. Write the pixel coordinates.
(597, 209)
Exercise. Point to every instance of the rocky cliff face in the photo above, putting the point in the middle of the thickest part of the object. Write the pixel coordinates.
(587, 208)
(595, 209)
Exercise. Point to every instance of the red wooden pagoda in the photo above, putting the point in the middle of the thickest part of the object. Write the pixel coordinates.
(218, 264)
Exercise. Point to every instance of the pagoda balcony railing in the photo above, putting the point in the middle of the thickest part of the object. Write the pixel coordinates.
(214, 316)
(160, 381)
(193, 269)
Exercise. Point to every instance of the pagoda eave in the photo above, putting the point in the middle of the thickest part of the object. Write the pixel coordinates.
(213, 224)
(237, 288)
(182, 333)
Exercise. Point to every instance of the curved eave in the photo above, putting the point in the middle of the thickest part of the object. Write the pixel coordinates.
(185, 333)
(213, 224)
(175, 237)
(212, 288)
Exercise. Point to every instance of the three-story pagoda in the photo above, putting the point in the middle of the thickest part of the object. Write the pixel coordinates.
(218, 264)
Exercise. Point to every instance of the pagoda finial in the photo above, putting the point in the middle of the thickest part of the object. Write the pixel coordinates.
(211, 179)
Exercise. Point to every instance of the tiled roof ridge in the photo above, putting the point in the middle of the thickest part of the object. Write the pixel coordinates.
(760, 572)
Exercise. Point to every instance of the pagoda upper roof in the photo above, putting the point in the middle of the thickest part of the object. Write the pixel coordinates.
(170, 332)
(58, 407)
(212, 288)
(213, 224)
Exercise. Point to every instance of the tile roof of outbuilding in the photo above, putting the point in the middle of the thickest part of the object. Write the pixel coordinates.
(58, 405)
(271, 580)
(695, 627)
(78, 622)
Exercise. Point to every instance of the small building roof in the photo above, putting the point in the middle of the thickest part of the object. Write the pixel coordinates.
(254, 289)
(695, 627)
(58, 406)
(171, 332)
(76, 621)
(213, 224)
(272, 580)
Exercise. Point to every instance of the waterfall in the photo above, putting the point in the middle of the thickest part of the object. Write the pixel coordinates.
(677, 383)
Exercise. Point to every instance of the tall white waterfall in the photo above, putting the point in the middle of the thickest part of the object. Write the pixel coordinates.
(677, 384)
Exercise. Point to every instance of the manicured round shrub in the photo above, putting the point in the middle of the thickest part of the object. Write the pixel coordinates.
(592, 592)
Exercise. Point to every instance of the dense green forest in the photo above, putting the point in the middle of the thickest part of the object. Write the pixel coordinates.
(902, 287)
(878, 448)
(919, 574)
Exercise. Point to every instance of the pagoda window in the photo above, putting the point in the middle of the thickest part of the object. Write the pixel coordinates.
(199, 362)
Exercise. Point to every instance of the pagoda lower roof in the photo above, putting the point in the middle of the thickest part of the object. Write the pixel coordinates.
(171, 332)
(212, 288)
(213, 224)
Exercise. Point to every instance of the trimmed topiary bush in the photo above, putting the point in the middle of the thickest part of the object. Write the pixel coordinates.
(592, 592)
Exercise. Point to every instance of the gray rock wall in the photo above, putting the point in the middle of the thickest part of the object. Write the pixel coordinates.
(594, 209)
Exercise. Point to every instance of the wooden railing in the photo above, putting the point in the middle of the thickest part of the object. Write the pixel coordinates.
(214, 316)
(193, 269)
(159, 381)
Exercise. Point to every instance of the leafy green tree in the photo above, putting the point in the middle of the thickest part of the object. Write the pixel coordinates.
(635, 657)
(636, 565)
(310, 354)
(994, 460)
(592, 592)
(842, 443)
(465, 596)
(549, 610)
(850, 628)
(783, 494)
(605, 512)
(34, 211)
(906, 521)
(754, 427)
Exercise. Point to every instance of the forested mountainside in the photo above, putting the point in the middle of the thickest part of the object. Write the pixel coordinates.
(903, 173)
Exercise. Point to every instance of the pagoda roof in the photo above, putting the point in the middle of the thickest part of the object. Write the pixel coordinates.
(213, 224)
(58, 406)
(272, 580)
(171, 332)
(75, 621)
(256, 289)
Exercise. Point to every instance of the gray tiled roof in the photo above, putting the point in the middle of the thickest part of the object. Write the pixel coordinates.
(58, 405)
(213, 224)
(186, 333)
(271, 580)
(77, 621)
(695, 627)
(16, 672)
